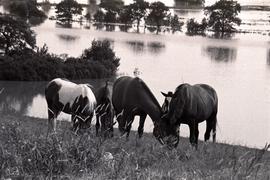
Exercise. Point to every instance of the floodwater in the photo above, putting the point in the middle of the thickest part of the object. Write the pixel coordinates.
(239, 70)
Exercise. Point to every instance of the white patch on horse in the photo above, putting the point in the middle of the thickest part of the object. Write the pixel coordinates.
(69, 91)
(169, 99)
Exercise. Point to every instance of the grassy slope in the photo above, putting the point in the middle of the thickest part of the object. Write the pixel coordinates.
(25, 152)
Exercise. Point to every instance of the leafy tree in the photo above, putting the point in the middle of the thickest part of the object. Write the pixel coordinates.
(102, 52)
(110, 17)
(158, 14)
(175, 24)
(223, 16)
(112, 5)
(195, 28)
(189, 3)
(25, 8)
(125, 16)
(138, 10)
(99, 16)
(88, 16)
(15, 34)
(66, 9)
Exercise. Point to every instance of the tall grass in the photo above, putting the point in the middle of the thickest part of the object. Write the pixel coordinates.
(26, 152)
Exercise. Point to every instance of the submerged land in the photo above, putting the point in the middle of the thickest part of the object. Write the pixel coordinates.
(26, 153)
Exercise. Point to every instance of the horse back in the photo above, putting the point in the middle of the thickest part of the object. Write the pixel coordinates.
(200, 101)
(132, 93)
(73, 97)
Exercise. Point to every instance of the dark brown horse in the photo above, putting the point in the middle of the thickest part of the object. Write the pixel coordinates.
(132, 97)
(104, 111)
(189, 105)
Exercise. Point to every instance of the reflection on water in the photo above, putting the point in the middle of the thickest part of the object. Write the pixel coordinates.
(36, 21)
(124, 28)
(136, 46)
(155, 47)
(68, 38)
(268, 57)
(220, 54)
(98, 26)
(139, 47)
(110, 27)
(16, 99)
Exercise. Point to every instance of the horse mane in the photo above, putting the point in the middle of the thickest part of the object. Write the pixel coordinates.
(142, 83)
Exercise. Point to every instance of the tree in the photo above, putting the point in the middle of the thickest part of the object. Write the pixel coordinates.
(188, 3)
(125, 16)
(25, 9)
(175, 24)
(138, 10)
(195, 28)
(66, 9)
(88, 16)
(102, 52)
(158, 14)
(223, 16)
(15, 34)
(99, 16)
(110, 17)
(112, 5)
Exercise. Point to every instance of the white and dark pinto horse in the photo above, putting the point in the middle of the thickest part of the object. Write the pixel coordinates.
(75, 99)
(189, 105)
(104, 112)
(131, 97)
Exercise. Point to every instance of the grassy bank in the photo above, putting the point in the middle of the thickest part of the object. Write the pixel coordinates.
(26, 153)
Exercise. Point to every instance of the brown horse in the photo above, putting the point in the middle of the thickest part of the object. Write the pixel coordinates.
(132, 97)
(104, 112)
(189, 105)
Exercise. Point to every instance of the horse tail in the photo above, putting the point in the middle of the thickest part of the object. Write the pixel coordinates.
(214, 127)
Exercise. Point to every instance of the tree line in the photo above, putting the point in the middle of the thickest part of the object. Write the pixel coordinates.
(220, 17)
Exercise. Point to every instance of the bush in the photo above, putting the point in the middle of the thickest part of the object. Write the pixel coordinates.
(99, 61)
(195, 28)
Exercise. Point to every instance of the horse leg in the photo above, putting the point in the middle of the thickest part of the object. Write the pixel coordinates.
(52, 115)
(196, 133)
(129, 118)
(97, 124)
(193, 129)
(214, 125)
(141, 125)
(208, 129)
(211, 125)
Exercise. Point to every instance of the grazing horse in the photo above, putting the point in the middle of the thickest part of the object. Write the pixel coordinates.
(104, 111)
(68, 97)
(189, 105)
(132, 97)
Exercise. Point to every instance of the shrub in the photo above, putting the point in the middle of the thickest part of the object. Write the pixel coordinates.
(99, 61)
(195, 28)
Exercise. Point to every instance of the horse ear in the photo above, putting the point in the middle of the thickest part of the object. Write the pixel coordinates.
(164, 94)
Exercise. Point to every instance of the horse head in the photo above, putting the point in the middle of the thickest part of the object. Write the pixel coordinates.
(165, 132)
(168, 97)
(104, 111)
(167, 129)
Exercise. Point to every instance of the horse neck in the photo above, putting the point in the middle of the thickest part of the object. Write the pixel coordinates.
(153, 109)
